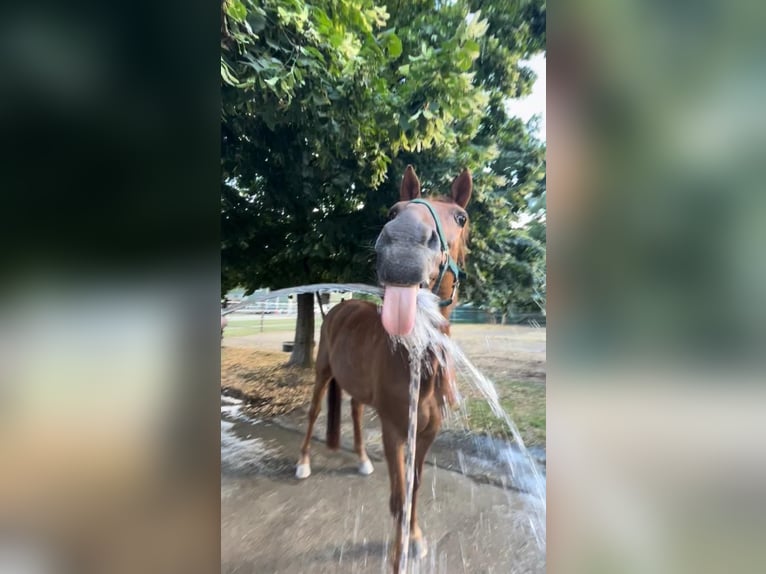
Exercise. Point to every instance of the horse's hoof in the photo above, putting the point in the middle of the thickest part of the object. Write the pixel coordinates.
(303, 471)
(419, 548)
(365, 468)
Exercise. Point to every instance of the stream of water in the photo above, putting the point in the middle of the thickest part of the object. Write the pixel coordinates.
(523, 471)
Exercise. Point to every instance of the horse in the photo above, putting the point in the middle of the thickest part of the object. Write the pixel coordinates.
(423, 245)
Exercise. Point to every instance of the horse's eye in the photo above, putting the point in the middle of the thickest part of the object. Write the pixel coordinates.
(461, 219)
(392, 214)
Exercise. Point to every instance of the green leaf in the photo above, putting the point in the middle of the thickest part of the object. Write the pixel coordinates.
(236, 10)
(394, 46)
(404, 70)
(257, 21)
(323, 23)
(272, 81)
(311, 51)
(227, 76)
(472, 48)
(463, 63)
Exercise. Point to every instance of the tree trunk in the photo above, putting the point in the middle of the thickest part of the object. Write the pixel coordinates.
(303, 351)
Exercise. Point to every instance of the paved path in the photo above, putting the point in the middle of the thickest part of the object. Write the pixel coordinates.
(337, 521)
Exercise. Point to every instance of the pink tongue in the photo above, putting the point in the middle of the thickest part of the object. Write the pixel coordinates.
(399, 305)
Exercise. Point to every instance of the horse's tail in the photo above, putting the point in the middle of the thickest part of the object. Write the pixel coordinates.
(333, 415)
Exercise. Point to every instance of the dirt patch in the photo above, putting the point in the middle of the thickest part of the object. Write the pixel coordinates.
(504, 352)
(264, 381)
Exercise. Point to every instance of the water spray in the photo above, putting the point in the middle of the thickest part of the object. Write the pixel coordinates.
(409, 461)
(313, 288)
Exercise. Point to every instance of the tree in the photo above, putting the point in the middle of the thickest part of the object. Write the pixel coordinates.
(298, 90)
(325, 102)
(507, 268)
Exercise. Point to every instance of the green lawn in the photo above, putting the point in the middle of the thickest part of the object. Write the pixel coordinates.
(523, 401)
(242, 328)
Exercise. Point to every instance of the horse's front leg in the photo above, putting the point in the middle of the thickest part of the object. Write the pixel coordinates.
(303, 468)
(365, 466)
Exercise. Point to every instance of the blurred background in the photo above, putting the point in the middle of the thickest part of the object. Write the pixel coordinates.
(109, 294)
(656, 287)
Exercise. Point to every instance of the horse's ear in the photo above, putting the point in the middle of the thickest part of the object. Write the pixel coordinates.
(462, 188)
(410, 185)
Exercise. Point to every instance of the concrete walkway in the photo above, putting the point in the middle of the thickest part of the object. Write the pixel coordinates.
(337, 521)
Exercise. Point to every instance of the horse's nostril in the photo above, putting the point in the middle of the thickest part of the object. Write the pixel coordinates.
(433, 241)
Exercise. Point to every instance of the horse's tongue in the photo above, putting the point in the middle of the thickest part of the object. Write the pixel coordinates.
(399, 305)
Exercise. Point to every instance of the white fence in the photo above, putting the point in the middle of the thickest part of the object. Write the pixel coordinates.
(270, 307)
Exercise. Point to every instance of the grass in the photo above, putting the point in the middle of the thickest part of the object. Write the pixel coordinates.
(523, 401)
(242, 328)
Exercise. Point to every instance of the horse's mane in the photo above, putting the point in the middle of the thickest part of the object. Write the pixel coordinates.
(462, 245)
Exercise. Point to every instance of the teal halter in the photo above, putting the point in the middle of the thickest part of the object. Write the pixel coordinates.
(450, 264)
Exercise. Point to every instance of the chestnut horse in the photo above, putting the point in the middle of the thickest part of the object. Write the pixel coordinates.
(421, 246)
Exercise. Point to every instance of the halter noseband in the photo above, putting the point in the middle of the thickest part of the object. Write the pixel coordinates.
(450, 264)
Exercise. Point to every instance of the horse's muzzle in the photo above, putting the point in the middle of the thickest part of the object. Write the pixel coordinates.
(405, 252)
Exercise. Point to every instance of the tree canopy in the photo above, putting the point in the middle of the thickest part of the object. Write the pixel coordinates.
(324, 102)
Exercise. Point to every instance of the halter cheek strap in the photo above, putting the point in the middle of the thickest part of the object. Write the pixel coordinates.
(449, 263)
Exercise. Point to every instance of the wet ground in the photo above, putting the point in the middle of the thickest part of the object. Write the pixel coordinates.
(337, 521)
(483, 458)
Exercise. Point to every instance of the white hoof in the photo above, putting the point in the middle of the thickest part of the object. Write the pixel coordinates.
(365, 468)
(419, 549)
(303, 471)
